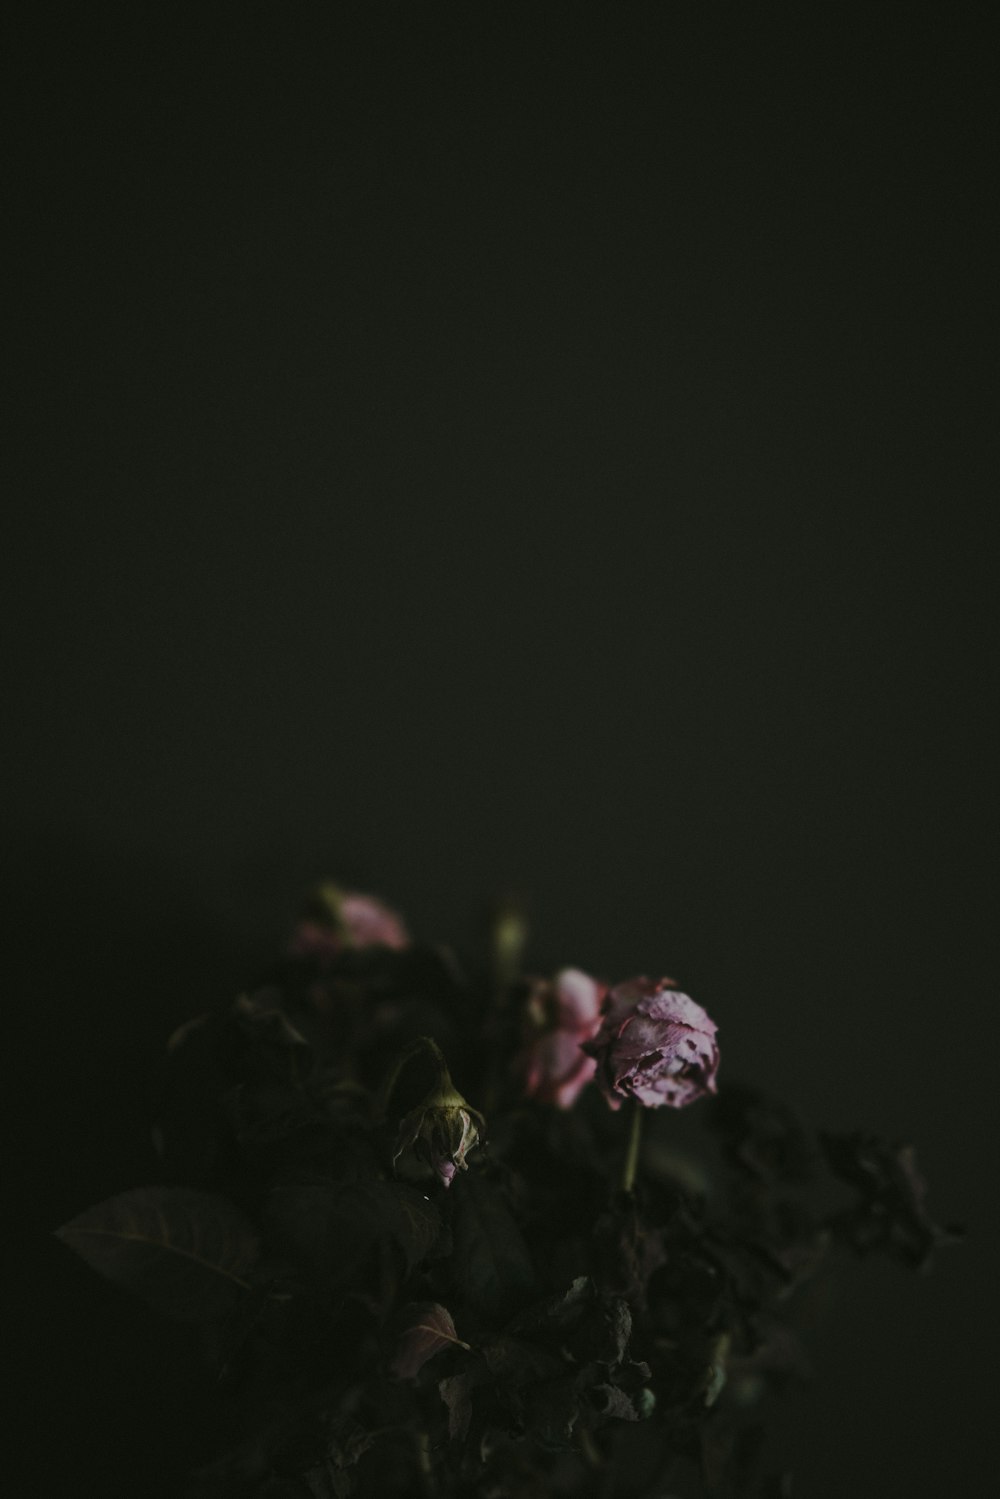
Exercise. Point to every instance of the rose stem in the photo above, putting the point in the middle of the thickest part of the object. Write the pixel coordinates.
(423, 1442)
(508, 940)
(632, 1153)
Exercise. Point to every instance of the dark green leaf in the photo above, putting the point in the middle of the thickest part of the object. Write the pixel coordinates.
(333, 1226)
(517, 1362)
(322, 1224)
(491, 1261)
(186, 1253)
(261, 1017)
(611, 1401)
(556, 1313)
(761, 1136)
(456, 1393)
(349, 1441)
(619, 1329)
(411, 1218)
(891, 1213)
(264, 1111)
(552, 1410)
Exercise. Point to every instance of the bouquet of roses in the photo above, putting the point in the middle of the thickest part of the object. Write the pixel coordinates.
(440, 1235)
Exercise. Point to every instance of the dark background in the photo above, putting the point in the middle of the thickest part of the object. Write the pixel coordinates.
(469, 451)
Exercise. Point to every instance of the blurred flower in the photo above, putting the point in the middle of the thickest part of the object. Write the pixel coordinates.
(343, 919)
(654, 1044)
(561, 1014)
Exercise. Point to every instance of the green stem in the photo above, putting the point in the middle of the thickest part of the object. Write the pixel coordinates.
(590, 1449)
(632, 1153)
(509, 939)
(424, 1467)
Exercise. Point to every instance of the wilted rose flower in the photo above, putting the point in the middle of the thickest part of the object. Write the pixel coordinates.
(562, 1013)
(654, 1044)
(440, 1136)
(437, 1126)
(344, 919)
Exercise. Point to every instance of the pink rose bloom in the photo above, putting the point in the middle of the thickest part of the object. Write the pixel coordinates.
(346, 920)
(563, 1012)
(654, 1044)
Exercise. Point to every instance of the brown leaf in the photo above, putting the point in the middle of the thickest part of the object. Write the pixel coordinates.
(427, 1329)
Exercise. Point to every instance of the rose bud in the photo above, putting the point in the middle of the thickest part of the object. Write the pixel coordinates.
(654, 1044)
(440, 1135)
(438, 1128)
(338, 920)
(562, 1013)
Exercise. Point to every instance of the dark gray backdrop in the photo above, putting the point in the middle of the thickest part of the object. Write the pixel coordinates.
(471, 452)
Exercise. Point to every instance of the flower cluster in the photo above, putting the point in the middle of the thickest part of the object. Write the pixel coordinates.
(641, 1040)
(404, 1291)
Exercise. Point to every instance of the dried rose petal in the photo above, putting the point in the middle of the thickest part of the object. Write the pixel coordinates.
(654, 1044)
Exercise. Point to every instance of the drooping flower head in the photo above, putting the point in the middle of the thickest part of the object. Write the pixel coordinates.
(654, 1044)
(440, 1136)
(561, 1014)
(438, 1127)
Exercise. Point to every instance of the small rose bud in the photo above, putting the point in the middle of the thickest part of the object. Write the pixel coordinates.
(441, 1136)
(437, 1133)
(654, 1044)
(561, 1014)
(338, 920)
